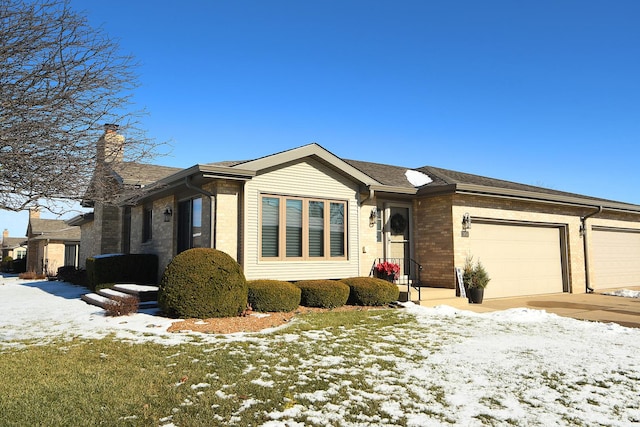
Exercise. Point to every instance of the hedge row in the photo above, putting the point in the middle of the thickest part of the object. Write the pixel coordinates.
(203, 282)
(122, 268)
(274, 295)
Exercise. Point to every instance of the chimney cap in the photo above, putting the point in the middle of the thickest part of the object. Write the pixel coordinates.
(110, 127)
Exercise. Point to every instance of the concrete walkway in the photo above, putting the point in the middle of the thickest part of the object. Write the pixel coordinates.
(594, 307)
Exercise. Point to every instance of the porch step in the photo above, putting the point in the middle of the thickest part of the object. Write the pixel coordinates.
(144, 293)
(108, 293)
(147, 295)
(95, 299)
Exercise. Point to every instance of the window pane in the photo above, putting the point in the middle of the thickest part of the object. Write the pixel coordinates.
(196, 223)
(270, 229)
(337, 229)
(294, 228)
(147, 221)
(316, 229)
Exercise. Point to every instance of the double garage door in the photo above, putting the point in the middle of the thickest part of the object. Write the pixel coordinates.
(521, 259)
(615, 258)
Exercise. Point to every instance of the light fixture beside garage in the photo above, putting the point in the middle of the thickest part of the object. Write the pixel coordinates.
(466, 224)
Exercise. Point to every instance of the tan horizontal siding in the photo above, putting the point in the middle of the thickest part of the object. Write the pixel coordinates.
(307, 178)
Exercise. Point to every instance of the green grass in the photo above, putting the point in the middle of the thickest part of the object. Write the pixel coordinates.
(110, 382)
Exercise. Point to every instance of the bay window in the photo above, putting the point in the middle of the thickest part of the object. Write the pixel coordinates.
(302, 228)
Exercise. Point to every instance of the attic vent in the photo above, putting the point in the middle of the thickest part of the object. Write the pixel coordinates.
(417, 179)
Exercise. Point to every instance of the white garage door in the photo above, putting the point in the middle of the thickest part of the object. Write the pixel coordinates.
(615, 257)
(521, 260)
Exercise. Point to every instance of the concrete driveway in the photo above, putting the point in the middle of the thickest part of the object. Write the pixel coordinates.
(595, 307)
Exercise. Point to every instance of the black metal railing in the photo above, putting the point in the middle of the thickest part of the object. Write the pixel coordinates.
(408, 275)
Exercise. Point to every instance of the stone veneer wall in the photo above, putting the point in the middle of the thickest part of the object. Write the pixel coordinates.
(111, 233)
(433, 240)
(163, 236)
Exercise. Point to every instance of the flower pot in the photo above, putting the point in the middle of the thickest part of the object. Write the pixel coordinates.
(387, 277)
(475, 295)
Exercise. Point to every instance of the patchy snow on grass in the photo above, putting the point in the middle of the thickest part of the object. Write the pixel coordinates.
(435, 366)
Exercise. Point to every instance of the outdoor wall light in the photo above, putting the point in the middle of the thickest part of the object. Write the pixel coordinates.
(168, 213)
(466, 221)
(373, 216)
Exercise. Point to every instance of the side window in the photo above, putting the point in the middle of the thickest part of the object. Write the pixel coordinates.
(147, 224)
(190, 224)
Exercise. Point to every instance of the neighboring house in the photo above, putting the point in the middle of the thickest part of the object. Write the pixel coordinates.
(51, 244)
(307, 214)
(14, 247)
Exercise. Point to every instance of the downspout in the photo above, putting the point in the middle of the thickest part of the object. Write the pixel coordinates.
(370, 196)
(187, 183)
(587, 278)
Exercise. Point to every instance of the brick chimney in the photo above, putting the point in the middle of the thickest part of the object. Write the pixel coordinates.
(5, 235)
(34, 213)
(110, 145)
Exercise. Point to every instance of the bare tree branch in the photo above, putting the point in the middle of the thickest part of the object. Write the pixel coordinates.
(60, 82)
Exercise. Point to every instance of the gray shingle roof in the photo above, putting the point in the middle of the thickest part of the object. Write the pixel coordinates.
(54, 229)
(131, 173)
(12, 242)
(395, 176)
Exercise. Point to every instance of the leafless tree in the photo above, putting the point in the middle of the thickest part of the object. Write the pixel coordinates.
(60, 81)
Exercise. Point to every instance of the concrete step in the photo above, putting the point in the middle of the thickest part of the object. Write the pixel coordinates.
(108, 293)
(145, 293)
(95, 299)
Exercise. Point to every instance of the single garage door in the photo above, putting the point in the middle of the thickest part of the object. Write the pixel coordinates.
(615, 257)
(520, 259)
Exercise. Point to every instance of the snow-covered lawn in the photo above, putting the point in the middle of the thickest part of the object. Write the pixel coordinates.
(442, 366)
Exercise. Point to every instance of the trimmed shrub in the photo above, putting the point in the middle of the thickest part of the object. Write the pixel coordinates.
(122, 268)
(323, 293)
(371, 291)
(19, 265)
(73, 275)
(202, 283)
(273, 295)
(7, 264)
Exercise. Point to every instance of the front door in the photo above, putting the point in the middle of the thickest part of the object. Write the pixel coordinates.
(397, 235)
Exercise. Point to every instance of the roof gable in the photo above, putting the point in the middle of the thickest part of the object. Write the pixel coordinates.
(311, 150)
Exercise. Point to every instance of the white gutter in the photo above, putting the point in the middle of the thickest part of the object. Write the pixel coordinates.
(583, 220)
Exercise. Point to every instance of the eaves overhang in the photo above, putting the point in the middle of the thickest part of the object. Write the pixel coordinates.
(196, 175)
(534, 196)
(80, 219)
(389, 189)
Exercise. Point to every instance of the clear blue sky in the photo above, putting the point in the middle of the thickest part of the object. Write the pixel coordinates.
(539, 92)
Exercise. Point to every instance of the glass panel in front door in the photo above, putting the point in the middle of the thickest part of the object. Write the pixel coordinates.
(398, 235)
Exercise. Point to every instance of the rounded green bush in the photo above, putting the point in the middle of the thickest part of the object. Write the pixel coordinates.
(323, 293)
(371, 291)
(202, 283)
(273, 295)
